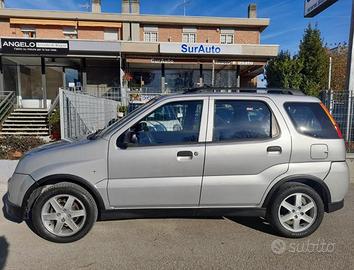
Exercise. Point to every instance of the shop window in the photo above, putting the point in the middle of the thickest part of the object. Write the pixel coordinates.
(189, 37)
(227, 39)
(28, 32)
(70, 32)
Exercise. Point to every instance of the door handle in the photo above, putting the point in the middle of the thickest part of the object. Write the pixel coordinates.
(274, 149)
(184, 155)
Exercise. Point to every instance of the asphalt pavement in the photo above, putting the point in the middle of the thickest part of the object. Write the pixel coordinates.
(238, 243)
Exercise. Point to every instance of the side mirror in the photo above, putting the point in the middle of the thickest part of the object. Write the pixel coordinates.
(127, 138)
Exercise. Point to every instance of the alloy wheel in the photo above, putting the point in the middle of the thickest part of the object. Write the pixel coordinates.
(63, 215)
(297, 212)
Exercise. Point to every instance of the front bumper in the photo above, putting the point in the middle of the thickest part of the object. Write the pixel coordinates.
(11, 211)
(17, 186)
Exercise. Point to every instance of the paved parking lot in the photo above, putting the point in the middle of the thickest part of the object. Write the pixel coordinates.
(240, 243)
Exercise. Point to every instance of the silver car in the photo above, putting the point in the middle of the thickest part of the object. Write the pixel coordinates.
(277, 156)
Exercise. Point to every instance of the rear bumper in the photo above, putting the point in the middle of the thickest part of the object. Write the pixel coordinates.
(334, 206)
(12, 212)
(337, 181)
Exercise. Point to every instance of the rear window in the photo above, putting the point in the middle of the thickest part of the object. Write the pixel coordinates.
(311, 120)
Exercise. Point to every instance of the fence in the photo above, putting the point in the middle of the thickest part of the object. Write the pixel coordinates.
(340, 104)
(83, 111)
(82, 114)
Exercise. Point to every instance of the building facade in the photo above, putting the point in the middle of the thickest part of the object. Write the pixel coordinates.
(42, 51)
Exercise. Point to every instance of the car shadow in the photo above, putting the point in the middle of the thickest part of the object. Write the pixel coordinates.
(255, 223)
(4, 251)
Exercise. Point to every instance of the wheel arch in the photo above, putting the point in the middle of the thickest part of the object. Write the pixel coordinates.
(35, 190)
(316, 183)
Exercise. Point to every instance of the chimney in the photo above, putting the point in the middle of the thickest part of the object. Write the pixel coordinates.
(96, 6)
(2, 3)
(131, 6)
(252, 11)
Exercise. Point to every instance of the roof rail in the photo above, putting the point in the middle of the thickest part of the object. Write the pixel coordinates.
(212, 89)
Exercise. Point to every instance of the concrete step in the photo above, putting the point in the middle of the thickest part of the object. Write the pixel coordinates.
(31, 110)
(25, 121)
(27, 125)
(39, 134)
(26, 117)
(28, 114)
(24, 128)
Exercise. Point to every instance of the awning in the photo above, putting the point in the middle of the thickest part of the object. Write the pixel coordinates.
(100, 24)
(42, 22)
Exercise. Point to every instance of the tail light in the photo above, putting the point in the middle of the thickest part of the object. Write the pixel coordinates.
(335, 124)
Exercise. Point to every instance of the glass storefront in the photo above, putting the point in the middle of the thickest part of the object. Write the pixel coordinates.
(181, 77)
(103, 77)
(10, 75)
(23, 75)
(147, 76)
(225, 78)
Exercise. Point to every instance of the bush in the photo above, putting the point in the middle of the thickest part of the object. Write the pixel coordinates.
(54, 125)
(13, 147)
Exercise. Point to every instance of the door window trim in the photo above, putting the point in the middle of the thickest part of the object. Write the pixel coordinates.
(211, 114)
(202, 128)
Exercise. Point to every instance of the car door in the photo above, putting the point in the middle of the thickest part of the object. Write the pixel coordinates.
(162, 165)
(248, 146)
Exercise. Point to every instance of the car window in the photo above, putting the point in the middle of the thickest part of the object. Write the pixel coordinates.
(173, 123)
(242, 120)
(311, 120)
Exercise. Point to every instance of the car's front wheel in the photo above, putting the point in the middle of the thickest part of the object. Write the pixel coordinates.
(63, 213)
(296, 210)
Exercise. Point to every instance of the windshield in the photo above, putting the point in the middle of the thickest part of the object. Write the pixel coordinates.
(125, 119)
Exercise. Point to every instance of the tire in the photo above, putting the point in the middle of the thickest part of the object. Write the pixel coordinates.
(290, 211)
(63, 213)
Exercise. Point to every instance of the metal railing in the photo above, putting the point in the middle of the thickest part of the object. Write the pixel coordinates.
(7, 103)
(82, 114)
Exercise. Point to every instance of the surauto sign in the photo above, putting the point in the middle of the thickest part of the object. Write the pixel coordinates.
(200, 48)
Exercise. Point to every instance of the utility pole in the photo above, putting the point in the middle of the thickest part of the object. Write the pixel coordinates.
(350, 79)
(330, 92)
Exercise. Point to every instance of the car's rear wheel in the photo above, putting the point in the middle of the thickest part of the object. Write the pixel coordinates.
(63, 213)
(296, 210)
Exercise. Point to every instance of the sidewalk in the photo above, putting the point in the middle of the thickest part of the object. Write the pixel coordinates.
(7, 167)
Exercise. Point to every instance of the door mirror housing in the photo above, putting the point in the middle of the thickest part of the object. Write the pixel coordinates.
(127, 138)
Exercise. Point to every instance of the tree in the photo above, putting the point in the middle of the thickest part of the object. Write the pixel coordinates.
(315, 61)
(339, 67)
(284, 71)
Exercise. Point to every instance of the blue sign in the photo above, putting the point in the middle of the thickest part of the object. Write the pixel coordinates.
(200, 49)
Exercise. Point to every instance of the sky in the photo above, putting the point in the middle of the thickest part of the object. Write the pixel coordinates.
(287, 16)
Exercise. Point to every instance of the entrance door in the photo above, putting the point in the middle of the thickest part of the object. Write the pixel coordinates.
(162, 164)
(248, 146)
